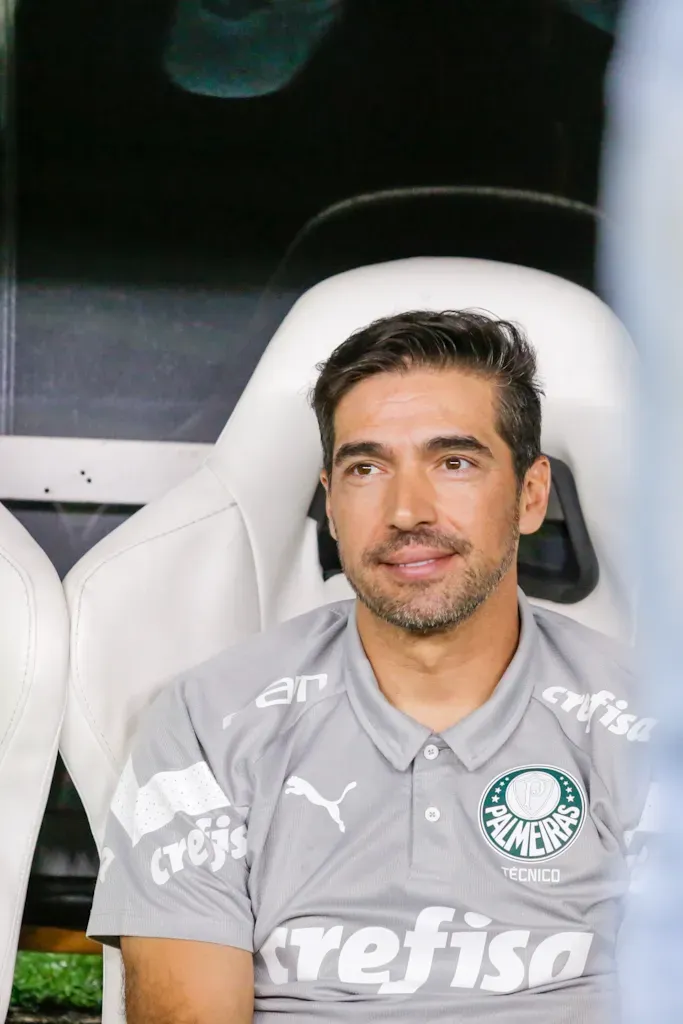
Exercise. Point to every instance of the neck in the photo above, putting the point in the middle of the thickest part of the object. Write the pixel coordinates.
(440, 679)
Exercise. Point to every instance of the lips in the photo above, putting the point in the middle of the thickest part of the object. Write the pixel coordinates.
(409, 556)
(424, 564)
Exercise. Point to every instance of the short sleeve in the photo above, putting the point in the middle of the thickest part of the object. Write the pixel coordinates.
(174, 862)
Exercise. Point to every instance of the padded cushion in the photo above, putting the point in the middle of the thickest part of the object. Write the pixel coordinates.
(33, 666)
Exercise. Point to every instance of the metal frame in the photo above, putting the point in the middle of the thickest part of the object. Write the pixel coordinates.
(94, 470)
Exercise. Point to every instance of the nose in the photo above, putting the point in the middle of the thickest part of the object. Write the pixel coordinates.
(411, 499)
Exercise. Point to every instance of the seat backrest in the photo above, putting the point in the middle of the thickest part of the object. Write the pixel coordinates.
(34, 643)
(233, 549)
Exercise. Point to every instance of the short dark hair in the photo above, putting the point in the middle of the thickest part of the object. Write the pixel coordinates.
(479, 343)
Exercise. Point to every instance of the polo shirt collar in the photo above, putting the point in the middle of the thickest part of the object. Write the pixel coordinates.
(474, 739)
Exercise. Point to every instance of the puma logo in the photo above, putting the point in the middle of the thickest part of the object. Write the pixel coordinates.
(299, 787)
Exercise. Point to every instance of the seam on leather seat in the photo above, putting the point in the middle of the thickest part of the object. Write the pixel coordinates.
(23, 693)
(76, 674)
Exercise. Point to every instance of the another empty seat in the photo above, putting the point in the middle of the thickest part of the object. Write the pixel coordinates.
(34, 641)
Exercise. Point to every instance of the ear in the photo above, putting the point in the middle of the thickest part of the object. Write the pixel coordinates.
(533, 501)
(324, 480)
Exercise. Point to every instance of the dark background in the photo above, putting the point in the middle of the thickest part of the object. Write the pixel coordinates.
(150, 219)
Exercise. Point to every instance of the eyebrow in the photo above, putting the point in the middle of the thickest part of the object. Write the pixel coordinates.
(375, 450)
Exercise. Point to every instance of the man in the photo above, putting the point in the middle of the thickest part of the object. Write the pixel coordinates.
(407, 807)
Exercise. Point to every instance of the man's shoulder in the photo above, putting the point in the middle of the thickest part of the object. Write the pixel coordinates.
(290, 663)
(578, 643)
(589, 683)
(279, 645)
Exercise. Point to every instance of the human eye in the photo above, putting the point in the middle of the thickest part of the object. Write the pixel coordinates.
(458, 464)
(357, 468)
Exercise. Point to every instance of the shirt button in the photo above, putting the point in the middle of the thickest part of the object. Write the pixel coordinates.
(431, 752)
(432, 814)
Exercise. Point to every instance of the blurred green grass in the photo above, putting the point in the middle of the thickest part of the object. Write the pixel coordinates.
(57, 980)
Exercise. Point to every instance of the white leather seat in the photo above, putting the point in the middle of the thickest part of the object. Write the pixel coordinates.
(231, 550)
(34, 644)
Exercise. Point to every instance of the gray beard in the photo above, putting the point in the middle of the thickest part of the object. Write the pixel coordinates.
(477, 585)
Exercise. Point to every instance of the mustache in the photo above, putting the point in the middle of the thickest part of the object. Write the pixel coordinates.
(449, 545)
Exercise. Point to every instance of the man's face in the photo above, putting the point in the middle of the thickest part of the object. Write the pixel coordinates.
(424, 501)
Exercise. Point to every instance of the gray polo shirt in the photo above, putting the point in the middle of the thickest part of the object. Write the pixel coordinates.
(277, 802)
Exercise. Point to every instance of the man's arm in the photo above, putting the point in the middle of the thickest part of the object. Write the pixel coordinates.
(173, 981)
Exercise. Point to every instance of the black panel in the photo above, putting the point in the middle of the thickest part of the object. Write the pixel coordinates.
(559, 562)
(65, 863)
